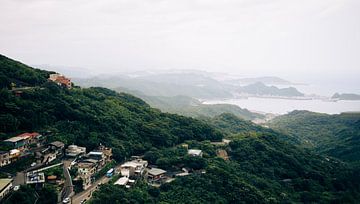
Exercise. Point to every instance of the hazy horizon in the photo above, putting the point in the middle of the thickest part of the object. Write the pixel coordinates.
(301, 41)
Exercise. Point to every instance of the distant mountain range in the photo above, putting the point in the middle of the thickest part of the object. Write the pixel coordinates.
(195, 84)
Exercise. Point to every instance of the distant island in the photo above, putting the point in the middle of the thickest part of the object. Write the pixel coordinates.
(260, 89)
(346, 96)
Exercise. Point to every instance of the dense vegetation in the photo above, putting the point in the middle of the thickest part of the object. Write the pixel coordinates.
(334, 135)
(16, 73)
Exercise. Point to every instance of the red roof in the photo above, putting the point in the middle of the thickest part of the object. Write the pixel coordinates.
(27, 134)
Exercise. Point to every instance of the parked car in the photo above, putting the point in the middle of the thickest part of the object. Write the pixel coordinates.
(66, 200)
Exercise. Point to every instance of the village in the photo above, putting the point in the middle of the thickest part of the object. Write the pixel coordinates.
(81, 171)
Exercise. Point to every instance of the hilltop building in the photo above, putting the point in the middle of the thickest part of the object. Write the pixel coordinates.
(61, 80)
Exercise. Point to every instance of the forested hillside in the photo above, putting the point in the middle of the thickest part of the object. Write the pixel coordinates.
(333, 135)
(91, 116)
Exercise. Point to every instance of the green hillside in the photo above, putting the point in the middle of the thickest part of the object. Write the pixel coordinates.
(333, 135)
(191, 107)
(91, 116)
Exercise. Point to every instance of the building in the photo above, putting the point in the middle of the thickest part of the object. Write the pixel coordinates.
(60, 80)
(33, 137)
(98, 156)
(14, 154)
(74, 151)
(17, 142)
(4, 158)
(134, 168)
(86, 169)
(5, 187)
(155, 175)
(195, 152)
(107, 152)
(22, 141)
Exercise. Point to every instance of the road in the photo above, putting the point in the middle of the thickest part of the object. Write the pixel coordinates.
(68, 186)
(76, 199)
(88, 192)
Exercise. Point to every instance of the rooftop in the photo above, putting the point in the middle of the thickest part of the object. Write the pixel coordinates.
(17, 138)
(194, 151)
(57, 144)
(156, 171)
(4, 183)
(122, 181)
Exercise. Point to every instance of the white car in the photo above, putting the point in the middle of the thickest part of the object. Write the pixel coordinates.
(33, 164)
(16, 188)
(66, 200)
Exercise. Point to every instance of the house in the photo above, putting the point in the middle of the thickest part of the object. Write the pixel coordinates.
(60, 80)
(195, 152)
(5, 187)
(35, 178)
(86, 169)
(107, 152)
(98, 156)
(33, 137)
(4, 158)
(74, 151)
(23, 140)
(57, 147)
(17, 142)
(155, 175)
(14, 154)
(134, 168)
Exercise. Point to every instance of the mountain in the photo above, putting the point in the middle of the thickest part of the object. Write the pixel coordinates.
(188, 106)
(263, 90)
(346, 96)
(268, 80)
(91, 116)
(333, 135)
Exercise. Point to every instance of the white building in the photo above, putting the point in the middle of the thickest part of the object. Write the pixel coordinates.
(134, 168)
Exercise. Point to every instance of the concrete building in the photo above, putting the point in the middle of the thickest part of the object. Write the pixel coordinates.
(74, 151)
(86, 169)
(5, 187)
(134, 168)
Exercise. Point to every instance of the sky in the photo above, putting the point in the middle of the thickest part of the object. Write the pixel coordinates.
(300, 40)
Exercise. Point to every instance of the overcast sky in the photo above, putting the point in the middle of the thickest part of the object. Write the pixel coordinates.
(297, 39)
